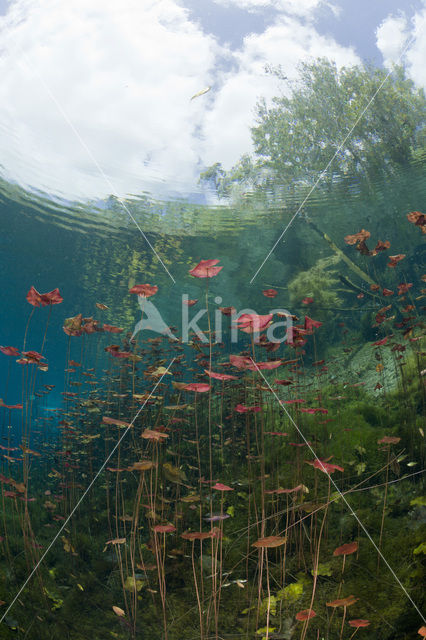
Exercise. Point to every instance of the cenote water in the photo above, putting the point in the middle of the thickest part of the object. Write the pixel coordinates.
(212, 406)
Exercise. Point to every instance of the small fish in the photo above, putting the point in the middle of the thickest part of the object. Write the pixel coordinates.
(215, 517)
(201, 93)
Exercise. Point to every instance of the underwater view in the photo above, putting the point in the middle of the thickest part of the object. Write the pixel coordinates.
(212, 338)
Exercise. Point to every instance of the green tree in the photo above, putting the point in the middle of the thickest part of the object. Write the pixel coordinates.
(297, 136)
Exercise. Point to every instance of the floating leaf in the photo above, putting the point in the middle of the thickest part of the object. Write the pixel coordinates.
(141, 465)
(191, 497)
(306, 614)
(269, 542)
(116, 541)
(346, 549)
(358, 623)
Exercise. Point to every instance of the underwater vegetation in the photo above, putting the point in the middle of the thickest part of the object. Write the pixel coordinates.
(207, 489)
(320, 282)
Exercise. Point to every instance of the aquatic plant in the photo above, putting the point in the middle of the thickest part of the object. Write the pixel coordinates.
(317, 285)
(220, 490)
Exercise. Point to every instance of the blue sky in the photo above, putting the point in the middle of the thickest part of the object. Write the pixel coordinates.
(358, 21)
(355, 25)
(96, 94)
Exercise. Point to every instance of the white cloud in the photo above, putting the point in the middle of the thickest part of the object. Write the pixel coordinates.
(123, 74)
(286, 44)
(390, 37)
(293, 7)
(416, 54)
(394, 33)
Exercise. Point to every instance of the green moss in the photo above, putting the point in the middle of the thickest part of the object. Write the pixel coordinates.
(319, 283)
